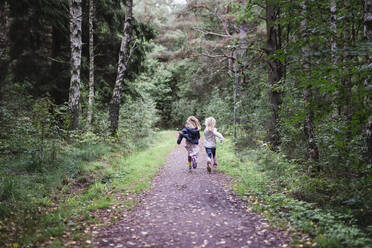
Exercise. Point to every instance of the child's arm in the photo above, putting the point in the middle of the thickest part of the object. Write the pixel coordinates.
(219, 135)
(180, 137)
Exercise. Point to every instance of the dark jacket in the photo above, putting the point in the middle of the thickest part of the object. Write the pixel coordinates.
(190, 134)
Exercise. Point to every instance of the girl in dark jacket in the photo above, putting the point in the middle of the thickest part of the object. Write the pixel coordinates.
(191, 134)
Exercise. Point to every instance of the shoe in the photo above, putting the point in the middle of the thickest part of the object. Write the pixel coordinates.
(194, 164)
(215, 164)
(190, 166)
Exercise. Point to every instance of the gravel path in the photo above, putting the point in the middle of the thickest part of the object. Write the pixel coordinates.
(190, 209)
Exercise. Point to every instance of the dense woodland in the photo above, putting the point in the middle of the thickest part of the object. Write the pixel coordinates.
(288, 80)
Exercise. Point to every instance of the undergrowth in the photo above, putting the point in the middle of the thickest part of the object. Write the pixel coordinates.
(293, 198)
(56, 203)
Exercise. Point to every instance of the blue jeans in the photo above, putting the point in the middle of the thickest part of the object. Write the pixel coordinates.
(211, 152)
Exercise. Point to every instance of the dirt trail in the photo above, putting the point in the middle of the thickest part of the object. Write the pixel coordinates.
(194, 209)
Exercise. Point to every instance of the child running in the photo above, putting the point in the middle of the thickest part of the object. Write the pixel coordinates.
(210, 134)
(191, 133)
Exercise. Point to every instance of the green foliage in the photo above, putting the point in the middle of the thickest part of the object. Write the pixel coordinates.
(82, 180)
(272, 184)
(137, 119)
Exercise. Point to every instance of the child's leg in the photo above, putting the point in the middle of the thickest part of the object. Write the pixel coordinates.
(194, 154)
(209, 159)
(189, 161)
(194, 163)
(209, 152)
(214, 156)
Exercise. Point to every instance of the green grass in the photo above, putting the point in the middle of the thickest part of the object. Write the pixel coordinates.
(270, 183)
(63, 200)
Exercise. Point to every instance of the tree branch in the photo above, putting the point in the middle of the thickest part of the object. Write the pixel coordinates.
(211, 33)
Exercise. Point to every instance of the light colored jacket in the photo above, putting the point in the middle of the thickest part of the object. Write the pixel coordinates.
(210, 138)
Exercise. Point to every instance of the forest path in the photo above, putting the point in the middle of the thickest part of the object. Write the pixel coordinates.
(190, 209)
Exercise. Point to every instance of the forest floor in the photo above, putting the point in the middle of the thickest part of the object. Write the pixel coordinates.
(188, 209)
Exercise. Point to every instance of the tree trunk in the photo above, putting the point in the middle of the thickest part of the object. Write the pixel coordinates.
(91, 63)
(347, 63)
(367, 82)
(76, 47)
(4, 25)
(235, 87)
(334, 32)
(122, 68)
(243, 31)
(312, 148)
(4, 29)
(275, 72)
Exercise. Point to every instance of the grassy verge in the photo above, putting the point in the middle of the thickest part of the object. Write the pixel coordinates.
(269, 182)
(53, 208)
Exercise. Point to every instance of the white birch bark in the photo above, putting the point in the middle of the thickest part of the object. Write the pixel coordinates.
(76, 47)
(91, 63)
(122, 68)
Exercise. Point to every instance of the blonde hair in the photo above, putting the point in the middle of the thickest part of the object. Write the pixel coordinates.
(210, 122)
(193, 122)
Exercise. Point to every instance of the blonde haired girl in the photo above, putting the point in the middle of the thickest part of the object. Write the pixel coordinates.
(192, 135)
(210, 134)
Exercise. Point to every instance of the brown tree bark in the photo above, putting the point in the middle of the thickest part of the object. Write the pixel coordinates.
(334, 32)
(76, 47)
(275, 72)
(235, 87)
(347, 63)
(122, 68)
(91, 64)
(367, 82)
(309, 129)
(4, 29)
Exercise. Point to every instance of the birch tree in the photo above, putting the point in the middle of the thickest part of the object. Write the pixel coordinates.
(122, 68)
(312, 148)
(91, 62)
(76, 48)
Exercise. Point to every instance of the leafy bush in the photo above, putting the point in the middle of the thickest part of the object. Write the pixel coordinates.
(283, 188)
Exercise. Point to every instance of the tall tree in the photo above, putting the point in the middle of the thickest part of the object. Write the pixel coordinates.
(367, 82)
(91, 64)
(312, 148)
(347, 83)
(334, 32)
(76, 48)
(122, 68)
(235, 86)
(4, 26)
(274, 68)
